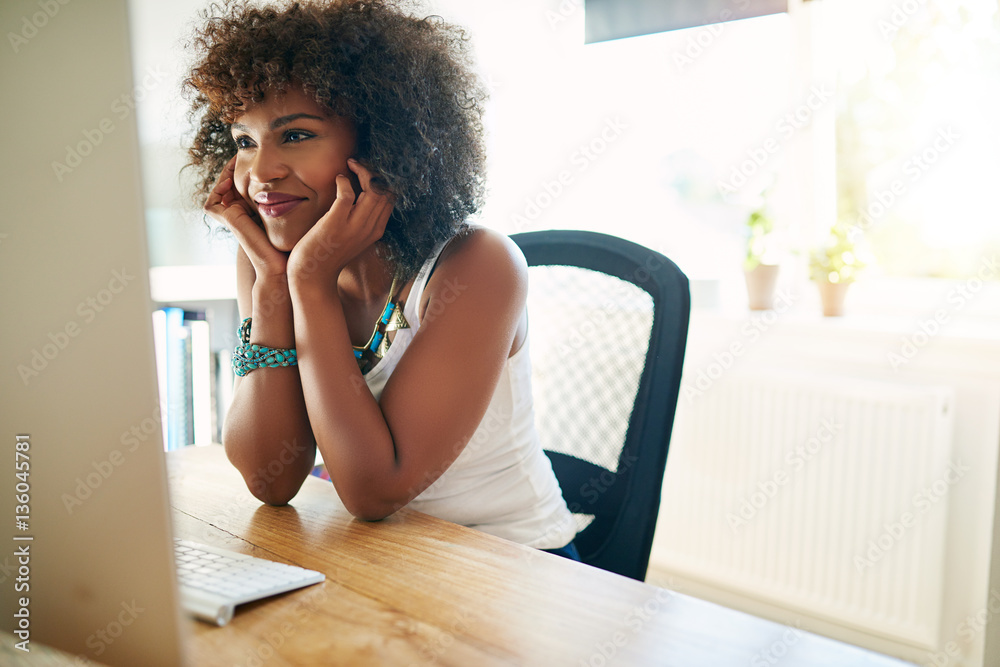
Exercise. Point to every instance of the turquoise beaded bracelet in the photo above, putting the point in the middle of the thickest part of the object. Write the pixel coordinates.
(247, 357)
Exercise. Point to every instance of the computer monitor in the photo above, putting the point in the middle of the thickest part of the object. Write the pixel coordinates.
(87, 562)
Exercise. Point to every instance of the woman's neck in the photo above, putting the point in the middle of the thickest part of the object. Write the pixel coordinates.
(365, 279)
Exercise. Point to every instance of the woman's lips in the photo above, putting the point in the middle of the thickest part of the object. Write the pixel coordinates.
(276, 209)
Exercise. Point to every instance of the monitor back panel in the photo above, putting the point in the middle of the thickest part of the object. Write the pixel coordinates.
(85, 561)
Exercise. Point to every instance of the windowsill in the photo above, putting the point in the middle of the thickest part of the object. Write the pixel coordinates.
(170, 284)
(962, 308)
(967, 309)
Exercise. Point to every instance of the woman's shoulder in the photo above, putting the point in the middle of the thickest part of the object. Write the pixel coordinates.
(482, 260)
(481, 252)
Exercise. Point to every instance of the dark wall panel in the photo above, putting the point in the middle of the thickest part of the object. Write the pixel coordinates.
(615, 19)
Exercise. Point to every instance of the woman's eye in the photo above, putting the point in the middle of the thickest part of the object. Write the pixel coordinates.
(243, 142)
(295, 136)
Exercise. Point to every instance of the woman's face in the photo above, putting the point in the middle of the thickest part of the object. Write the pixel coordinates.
(290, 152)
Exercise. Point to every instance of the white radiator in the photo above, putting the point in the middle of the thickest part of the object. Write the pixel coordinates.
(822, 495)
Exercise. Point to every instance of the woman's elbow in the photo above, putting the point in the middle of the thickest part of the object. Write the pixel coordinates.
(269, 494)
(273, 490)
(276, 492)
(369, 516)
(370, 509)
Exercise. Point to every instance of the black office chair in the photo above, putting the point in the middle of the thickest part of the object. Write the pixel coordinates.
(608, 323)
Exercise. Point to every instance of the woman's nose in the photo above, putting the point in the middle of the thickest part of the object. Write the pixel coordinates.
(267, 165)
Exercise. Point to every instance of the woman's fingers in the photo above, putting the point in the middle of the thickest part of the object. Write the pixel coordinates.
(369, 199)
(345, 190)
(224, 203)
(364, 176)
(229, 171)
(250, 235)
(367, 212)
(340, 211)
(224, 194)
(224, 184)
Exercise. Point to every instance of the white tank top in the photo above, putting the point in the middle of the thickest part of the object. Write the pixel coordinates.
(502, 483)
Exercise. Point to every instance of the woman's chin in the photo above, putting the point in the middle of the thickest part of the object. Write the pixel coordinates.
(281, 240)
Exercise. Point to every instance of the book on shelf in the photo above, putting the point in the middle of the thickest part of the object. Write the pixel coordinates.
(201, 381)
(188, 372)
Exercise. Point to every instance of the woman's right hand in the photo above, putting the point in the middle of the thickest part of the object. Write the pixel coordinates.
(226, 205)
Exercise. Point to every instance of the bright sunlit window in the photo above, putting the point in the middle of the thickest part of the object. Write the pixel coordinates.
(917, 132)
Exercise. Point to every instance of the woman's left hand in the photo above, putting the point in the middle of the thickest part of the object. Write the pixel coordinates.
(349, 227)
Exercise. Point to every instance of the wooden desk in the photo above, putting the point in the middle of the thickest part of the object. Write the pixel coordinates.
(415, 590)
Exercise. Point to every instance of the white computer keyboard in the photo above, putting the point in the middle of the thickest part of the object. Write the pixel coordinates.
(213, 581)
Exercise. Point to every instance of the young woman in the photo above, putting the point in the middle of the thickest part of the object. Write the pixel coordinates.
(341, 143)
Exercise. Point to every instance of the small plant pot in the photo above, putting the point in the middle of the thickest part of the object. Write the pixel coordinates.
(761, 281)
(832, 297)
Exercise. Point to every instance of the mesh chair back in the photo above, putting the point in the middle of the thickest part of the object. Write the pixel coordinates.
(608, 324)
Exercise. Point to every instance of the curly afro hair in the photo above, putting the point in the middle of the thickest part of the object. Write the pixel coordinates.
(407, 83)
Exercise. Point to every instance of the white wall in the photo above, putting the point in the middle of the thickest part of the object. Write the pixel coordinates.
(966, 359)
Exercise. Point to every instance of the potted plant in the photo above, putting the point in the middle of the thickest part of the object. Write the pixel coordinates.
(833, 267)
(761, 264)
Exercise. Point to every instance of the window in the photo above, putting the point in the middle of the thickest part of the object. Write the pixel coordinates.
(633, 137)
(670, 139)
(917, 132)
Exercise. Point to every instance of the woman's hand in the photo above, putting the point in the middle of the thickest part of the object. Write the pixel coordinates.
(226, 205)
(349, 227)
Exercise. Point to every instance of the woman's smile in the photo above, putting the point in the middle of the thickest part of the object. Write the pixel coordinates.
(276, 204)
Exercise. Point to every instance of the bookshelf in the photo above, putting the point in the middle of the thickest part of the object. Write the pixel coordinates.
(194, 325)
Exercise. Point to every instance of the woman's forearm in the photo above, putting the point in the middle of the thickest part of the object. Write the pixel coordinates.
(347, 422)
(267, 435)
